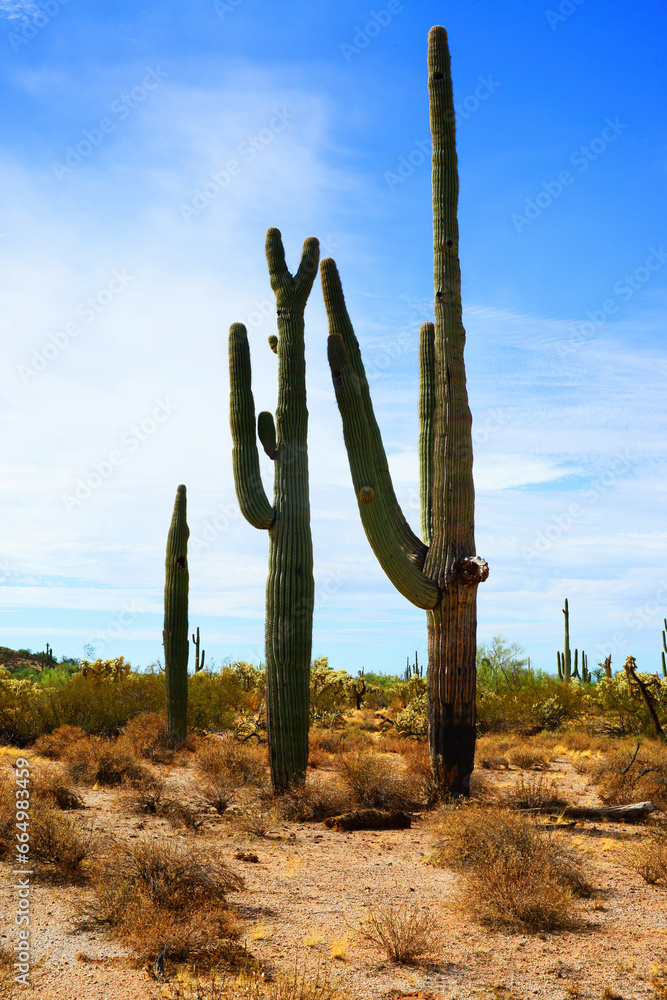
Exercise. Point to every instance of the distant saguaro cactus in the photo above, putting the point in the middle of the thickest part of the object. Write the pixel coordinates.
(564, 659)
(441, 572)
(290, 588)
(199, 658)
(175, 634)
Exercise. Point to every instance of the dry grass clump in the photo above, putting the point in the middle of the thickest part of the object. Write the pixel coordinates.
(406, 932)
(312, 801)
(298, 984)
(374, 780)
(492, 752)
(149, 798)
(182, 815)
(534, 792)
(529, 757)
(54, 744)
(153, 892)
(218, 792)
(255, 819)
(96, 760)
(61, 843)
(581, 740)
(514, 876)
(241, 763)
(50, 786)
(621, 780)
(649, 857)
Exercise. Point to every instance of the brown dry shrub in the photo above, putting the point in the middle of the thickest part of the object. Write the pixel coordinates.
(514, 876)
(644, 779)
(183, 815)
(417, 759)
(375, 782)
(147, 735)
(242, 763)
(148, 798)
(50, 786)
(8, 808)
(405, 931)
(55, 744)
(534, 792)
(61, 843)
(649, 857)
(151, 892)
(322, 743)
(312, 801)
(96, 760)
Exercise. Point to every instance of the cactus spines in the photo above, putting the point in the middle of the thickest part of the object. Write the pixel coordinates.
(175, 634)
(199, 659)
(439, 572)
(290, 589)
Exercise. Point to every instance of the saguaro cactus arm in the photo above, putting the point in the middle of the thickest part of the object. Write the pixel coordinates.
(340, 326)
(380, 514)
(250, 493)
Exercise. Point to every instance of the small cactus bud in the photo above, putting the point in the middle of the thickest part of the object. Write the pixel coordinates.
(367, 494)
(273, 343)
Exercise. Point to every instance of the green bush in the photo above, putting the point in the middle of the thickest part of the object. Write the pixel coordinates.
(621, 704)
(214, 700)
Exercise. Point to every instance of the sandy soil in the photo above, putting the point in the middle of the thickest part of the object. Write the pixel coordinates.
(311, 888)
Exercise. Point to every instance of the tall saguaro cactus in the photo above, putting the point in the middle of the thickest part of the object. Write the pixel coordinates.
(175, 634)
(290, 588)
(440, 572)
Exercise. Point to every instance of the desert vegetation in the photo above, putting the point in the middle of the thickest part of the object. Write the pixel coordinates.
(155, 843)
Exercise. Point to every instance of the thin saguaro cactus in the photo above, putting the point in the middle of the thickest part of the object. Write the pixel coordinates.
(175, 634)
(290, 588)
(440, 572)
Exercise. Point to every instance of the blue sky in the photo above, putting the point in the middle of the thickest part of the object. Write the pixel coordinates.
(146, 150)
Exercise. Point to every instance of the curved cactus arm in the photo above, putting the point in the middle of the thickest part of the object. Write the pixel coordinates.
(426, 411)
(175, 633)
(368, 485)
(284, 285)
(340, 326)
(252, 498)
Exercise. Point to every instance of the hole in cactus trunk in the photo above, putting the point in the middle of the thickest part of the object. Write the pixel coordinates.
(437, 76)
(337, 380)
(449, 243)
(439, 296)
(180, 562)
